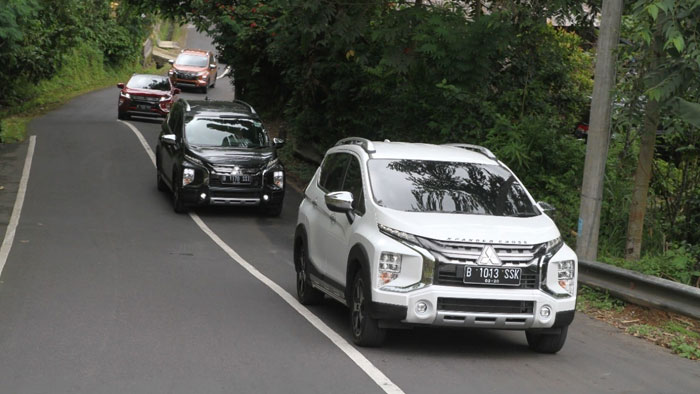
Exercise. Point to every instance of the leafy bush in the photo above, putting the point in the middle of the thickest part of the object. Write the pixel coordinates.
(680, 263)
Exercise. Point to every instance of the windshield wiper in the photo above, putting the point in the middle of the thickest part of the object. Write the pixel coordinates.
(524, 215)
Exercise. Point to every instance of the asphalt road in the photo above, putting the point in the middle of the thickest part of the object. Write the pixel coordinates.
(107, 290)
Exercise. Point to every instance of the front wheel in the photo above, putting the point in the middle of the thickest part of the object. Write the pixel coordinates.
(365, 330)
(550, 341)
(178, 204)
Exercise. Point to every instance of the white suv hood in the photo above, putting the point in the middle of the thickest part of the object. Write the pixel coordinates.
(471, 228)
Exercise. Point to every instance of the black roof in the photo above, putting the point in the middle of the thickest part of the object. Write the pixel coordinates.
(236, 108)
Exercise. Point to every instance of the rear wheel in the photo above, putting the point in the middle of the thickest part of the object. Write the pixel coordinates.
(550, 341)
(365, 329)
(306, 293)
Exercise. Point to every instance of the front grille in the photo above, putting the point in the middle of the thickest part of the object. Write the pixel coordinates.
(185, 75)
(469, 252)
(215, 181)
(145, 99)
(453, 275)
(484, 306)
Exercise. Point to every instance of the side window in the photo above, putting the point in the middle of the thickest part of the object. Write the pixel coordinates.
(353, 184)
(333, 172)
(175, 120)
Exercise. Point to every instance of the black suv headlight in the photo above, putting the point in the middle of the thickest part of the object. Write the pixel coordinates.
(274, 174)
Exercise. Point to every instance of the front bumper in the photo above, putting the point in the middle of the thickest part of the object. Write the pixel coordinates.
(154, 109)
(190, 82)
(479, 307)
(231, 196)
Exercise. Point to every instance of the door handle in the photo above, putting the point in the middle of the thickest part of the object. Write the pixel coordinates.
(314, 203)
(333, 219)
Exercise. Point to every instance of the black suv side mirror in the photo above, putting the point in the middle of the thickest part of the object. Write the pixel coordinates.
(168, 139)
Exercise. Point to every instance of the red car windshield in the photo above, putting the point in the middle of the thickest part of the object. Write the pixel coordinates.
(152, 82)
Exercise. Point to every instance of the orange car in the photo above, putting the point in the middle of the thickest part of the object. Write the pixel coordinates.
(194, 68)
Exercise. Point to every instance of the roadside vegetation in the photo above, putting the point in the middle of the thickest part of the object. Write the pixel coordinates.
(55, 50)
(678, 333)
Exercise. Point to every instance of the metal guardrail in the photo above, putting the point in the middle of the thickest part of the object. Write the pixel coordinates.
(641, 289)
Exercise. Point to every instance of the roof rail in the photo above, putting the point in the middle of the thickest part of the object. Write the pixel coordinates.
(475, 148)
(366, 144)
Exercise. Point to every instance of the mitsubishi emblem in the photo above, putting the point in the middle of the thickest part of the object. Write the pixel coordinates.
(488, 257)
(236, 170)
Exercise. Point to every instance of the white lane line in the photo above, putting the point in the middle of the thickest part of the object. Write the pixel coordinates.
(19, 202)
(225, 73)
(358, 358)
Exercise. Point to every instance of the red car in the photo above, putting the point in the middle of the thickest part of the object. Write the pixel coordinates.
(146, 95)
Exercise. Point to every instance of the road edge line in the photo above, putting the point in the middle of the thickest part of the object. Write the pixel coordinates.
(19, 203)
(355, 355)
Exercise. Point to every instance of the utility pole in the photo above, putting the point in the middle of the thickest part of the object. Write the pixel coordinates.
(599, 131)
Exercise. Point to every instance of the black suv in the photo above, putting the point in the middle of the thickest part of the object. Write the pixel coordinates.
(218, 153)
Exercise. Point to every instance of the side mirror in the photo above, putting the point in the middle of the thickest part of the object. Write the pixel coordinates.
(177, 91)
(168, 139)
(120, 85)
(341, 202)
(171, 61)
(546, 207)
(212, 66)
(277, 142)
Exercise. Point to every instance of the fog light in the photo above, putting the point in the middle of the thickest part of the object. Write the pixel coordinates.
(421, 307)
(203, 196)
(545, 312)
(266, 197)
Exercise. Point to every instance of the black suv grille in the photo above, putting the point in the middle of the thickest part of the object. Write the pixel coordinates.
(488, 306)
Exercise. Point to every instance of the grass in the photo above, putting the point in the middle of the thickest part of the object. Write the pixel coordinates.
(589, 298)
(83, 71)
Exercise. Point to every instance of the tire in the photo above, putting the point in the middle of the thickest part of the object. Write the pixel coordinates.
(123, 116)
(365, 330)
(205, 88)
(214, 84)
(162, 187)
(547, 342)
(306, 294)
(178, 204)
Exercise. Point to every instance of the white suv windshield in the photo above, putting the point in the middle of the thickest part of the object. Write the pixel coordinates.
(438, 186)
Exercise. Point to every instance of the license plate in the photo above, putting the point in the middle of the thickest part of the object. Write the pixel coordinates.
(143, 106)
(236, 179)
(492, 275)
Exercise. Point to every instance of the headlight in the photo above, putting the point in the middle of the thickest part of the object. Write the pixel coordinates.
(166, 98)
(400, 235)
(187, 176)
(389, 267)
(193, 160)
(202, 74)
(125, 95)
(278, 179)
(553, 246)
(561, 277)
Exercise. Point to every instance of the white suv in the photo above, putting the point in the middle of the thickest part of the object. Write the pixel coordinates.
(443, 235)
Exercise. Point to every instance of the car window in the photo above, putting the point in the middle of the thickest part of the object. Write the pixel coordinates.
(453, 187)
(353, 184)
(218, 132)
(152, 82)
(175, 119)
(333, 172)
(186, 59)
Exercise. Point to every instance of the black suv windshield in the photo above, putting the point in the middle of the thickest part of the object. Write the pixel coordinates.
(218, 132)
(149, 82)
(439, 186)
(192, 60)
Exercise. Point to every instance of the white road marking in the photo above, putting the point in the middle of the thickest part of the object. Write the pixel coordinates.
(358, 358)
(19, 202)
(225, 73)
